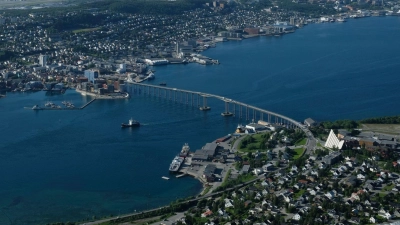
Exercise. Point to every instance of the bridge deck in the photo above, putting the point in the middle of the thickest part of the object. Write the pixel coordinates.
(294, 122)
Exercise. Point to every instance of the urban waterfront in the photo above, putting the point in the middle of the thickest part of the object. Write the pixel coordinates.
(72, 165)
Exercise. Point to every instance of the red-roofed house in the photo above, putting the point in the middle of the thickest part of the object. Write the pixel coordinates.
(207, 213)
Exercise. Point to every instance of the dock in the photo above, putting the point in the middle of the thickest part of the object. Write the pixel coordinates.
(181, 175)
(165, 178)
(63, 108)
(88, 103)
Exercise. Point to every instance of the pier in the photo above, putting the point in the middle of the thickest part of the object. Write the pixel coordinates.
(63, 108)
(88, 103)
(199, 100)
(181, 175)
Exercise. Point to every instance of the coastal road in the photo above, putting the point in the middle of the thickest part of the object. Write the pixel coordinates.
(187, 201)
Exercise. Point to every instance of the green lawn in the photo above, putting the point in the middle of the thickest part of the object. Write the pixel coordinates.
(298, 152)
(388, 187)
(253, 146)
(299, 193)
(206, 190)
(226, 178)
(248, 177)
(382, 195)
(319, 145)
(301, 142)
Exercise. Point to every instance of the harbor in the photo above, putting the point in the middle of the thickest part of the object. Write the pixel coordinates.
(209, 165)
(52, 106)
(114, 95)
(145, 154)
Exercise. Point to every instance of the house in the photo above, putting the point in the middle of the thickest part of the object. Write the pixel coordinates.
(207, 213)
(268, 167)
(385, 214)
(257, 171)
(372, 220)
(360, 177)
(310, 122)
(228, 203)
(245, 169)
(354, 220)
(330, 194)
(247, 203)
(296, 217)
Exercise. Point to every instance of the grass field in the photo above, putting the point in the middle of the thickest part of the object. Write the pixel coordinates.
(382, 128)
(299, 193)
(252, 147)
(85, 30)
(388, 187)
(298, 152)
(301, 142)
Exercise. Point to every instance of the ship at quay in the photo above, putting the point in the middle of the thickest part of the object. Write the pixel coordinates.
(290, 84)
(179, 159)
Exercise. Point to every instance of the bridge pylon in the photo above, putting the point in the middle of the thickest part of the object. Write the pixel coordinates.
(227, 113)
(205, 107)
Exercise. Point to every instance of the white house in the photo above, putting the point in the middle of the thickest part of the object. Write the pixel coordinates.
(257, 171)
(296, 217)
(372, 220)
(360, 177)
(228, 203)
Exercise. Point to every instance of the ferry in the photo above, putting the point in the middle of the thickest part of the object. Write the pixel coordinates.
(185, 150)
(176, 164)
(132, 123)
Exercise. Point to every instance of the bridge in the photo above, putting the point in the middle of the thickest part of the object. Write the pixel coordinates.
(199, 99)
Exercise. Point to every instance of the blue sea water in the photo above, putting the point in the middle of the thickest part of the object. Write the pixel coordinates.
(77, 165)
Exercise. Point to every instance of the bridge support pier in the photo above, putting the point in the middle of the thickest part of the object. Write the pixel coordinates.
(205, 107)
(227, 113)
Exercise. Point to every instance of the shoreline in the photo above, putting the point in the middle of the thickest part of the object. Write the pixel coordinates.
(122, 95)
(203, 186)
(240, 39)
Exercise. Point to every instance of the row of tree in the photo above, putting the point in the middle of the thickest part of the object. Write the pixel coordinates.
(382, 120)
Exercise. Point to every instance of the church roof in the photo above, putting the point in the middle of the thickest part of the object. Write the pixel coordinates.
(333, 141)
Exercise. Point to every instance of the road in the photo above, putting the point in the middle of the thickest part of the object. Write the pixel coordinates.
(311, 144)
(187, 201)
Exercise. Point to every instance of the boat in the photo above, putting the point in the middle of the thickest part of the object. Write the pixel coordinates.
(36, 107)
(131, 123)
(176, 164)
(165, 178)
(151, 76)
(185, 150)
(48, 104)
(163, 84)
(341, 20)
